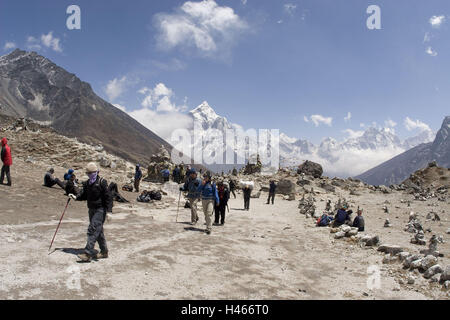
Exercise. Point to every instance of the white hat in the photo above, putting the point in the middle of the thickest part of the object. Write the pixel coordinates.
(91, 167)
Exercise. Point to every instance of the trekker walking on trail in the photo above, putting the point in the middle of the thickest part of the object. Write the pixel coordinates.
(7, 162)
(191, 185)
(224, 195)
(137, 177)
(210, 198)
(272, 189)
(232, 187)
(99, 201)
(247, 192)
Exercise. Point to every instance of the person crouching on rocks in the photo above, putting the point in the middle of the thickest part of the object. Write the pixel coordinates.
(99, 201)
(359, 221)
(342, 217)
(210, 197)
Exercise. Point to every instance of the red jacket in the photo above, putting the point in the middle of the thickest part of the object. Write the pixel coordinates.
(6, 153)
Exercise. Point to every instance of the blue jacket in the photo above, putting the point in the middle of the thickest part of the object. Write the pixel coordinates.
(191, 185)
(209, 192)
(138, 174)
(342, 216)
(165, 173)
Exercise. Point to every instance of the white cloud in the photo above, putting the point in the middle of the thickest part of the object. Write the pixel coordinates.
(390, 123)
(115, 88)
(413, 125)
(244, 2)
(46, 40)
(431, 52)
(161, 98)
(436, 21)
(51, 42)
(162, 123)
(204, 25)
(362, 125)
(33, 43)
(317, 119)
(9, 45)
(305, 118)
(426, 37)
(348, 117)
(353, 134)
(290, 8)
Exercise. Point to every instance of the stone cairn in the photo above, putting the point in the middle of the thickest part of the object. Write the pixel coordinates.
(159, 162)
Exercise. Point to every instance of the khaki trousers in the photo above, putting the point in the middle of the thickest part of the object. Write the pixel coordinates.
(208, 206)
(194, 215)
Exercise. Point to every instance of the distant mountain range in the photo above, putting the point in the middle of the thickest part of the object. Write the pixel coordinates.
(400, 167)
(343, 159)
(32, 86)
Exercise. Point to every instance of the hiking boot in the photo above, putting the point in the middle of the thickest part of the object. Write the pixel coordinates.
(101, 255)
(84, 257)
(207, 231)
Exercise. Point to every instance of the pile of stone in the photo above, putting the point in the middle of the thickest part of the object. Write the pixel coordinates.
(344, 231)
(252, 167)
(158, 162)
(307, 206)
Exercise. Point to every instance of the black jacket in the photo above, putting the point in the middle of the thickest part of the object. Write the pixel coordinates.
(97, 195)
(247, 193)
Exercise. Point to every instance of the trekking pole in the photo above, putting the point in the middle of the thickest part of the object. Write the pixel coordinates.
(68, 200)
(178, 208)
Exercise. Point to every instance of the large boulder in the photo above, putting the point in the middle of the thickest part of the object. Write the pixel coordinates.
(310, 168)
(286, 187)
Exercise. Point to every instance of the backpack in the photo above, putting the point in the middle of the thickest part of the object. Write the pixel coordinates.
(127, 187)
(324, 220)
(155, 195)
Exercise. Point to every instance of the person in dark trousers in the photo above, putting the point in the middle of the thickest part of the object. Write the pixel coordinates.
(50, 181)
(176, 174)
(7, 162)
(232, 188)
(247, 192)
(137, 177)
(359, 221)
(224, 195)
(99, 201)
(272, 189)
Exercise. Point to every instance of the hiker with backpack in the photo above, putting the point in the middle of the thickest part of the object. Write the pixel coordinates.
(99, 201)
(7, 162)
(165, 173)
(50, 181)
(72, 185)
(137, 177)
(224, 195)
(210, 199)
(191, 186)
(68, 175)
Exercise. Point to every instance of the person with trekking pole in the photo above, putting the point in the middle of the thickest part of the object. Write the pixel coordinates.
(191, 185)
(210, 198)
(99, 201)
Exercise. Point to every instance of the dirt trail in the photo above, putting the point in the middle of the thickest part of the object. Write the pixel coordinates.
(270, 252)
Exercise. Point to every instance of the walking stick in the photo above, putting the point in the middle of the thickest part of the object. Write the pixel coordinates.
(68, 200)
(178, 208)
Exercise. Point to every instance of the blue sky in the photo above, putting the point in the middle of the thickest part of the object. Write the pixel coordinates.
(260, 63)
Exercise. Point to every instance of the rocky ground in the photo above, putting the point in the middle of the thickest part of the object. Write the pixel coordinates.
(269, 252)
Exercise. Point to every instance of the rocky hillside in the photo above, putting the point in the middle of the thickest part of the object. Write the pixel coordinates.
(400, 167)
(33, 87)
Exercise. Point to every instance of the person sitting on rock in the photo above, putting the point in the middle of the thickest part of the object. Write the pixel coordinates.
(359, 221)
(72, 185)
(342, 217)
(68, 175)
(50, 181)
